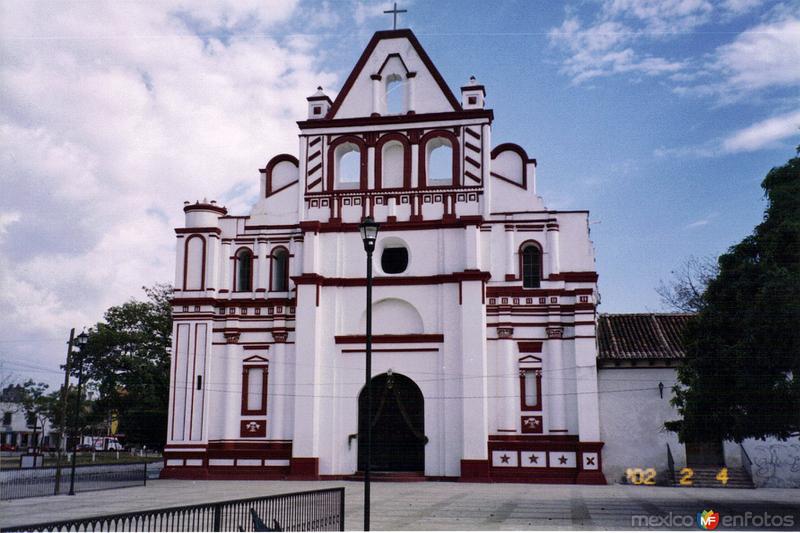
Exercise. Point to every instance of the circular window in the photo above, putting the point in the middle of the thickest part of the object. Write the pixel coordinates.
(394, 259)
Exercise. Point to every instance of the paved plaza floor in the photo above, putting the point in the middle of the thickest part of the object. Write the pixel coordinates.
(441, 505)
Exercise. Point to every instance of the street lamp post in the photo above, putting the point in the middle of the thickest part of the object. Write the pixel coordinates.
(62, 444)
(369, 233)
(81, 341)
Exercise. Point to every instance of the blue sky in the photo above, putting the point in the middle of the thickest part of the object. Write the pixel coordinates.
(660, 117)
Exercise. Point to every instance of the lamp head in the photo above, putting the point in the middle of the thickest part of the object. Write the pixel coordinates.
(369, 233)
(82, 339)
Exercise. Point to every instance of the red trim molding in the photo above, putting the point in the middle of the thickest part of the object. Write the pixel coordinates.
(474, 470)
(197, 206)
(304, 468)
(530, 346)
(339, 227)
(581, 277)
(455, 277)
(467, 114)
(390, 339)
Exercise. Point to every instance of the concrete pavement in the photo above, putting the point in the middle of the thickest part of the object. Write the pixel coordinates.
(441, 505)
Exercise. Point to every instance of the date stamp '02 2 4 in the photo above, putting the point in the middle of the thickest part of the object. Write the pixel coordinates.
(647, 476)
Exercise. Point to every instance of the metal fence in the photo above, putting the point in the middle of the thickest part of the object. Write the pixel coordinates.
(316, 510)
(30, 482)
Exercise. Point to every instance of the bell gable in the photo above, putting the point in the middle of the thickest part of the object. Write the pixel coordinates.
(394, 76)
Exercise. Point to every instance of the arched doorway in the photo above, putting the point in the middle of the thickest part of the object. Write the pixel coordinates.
(398, 425)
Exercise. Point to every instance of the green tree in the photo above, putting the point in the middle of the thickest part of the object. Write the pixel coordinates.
(37, 407)
(127, 357)
(741, 374)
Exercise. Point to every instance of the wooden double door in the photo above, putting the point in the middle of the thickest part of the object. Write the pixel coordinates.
(398, 425)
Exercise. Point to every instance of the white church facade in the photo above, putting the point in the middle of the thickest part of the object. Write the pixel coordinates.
(485, 350)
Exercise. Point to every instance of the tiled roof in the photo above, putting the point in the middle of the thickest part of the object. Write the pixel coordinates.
(641, 336)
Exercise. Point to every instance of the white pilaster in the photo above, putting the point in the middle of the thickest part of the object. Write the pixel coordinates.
(180, 250)
(556, 375)
(232, 385)
(370, 168)
(411, 93)
(310, 245)
(261, 273)
(510, 253)
(586, 375)
(471, 236)
(508, 393)
(553, 250)
(474, 391)
(377, 84)
(306, 401)
(414, 165)
(212, 253)
(279, 391)
(486, 165)
(224, 281)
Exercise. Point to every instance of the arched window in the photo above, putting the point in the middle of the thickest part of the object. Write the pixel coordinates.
(439, 166)
(393, 165)
(348, 166)
(244, 270)
(531, 265)
(395, 104)
(280, 270)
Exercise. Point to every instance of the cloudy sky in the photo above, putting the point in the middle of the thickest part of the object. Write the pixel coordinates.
(659, 116)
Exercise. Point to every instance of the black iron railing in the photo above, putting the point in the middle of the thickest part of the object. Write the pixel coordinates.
(747, 463)
(316, 510)
(671, 465)
(31, 482)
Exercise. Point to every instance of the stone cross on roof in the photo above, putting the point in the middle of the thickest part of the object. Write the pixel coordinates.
(394, 11)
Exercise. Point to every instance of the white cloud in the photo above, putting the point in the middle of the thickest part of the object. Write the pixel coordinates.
(661, 16)
(633, 36)
(764, 56)
(741, 6)
(114, 113)
(764, 134)
(601, 50)
(705, 221)
(6, 219)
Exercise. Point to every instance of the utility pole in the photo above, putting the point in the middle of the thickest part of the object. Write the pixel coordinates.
(63, 442)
